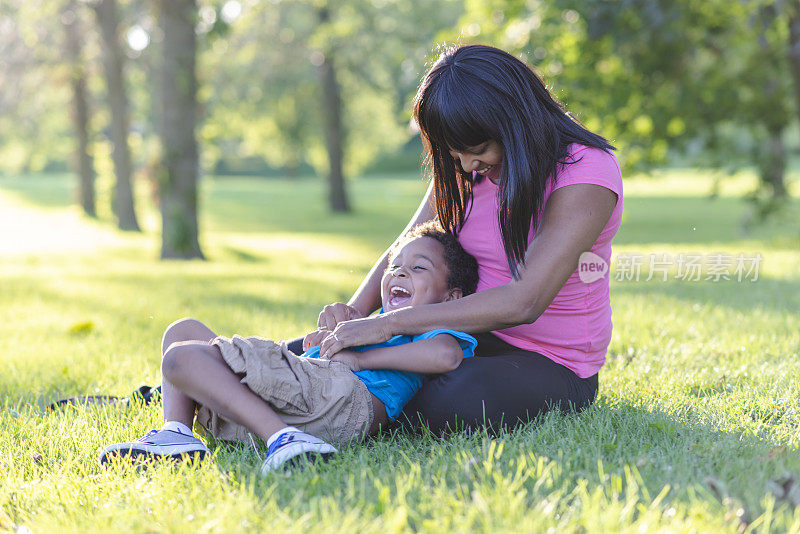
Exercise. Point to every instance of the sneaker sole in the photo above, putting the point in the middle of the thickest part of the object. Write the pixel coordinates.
(139, 454)
(299, 461)
(308, 457)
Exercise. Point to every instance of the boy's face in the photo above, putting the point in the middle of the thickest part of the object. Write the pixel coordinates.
(417, 274)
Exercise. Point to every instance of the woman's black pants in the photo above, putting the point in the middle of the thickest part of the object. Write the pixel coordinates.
(501, 386)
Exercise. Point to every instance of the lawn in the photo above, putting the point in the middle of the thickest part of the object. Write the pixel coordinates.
(696, 428)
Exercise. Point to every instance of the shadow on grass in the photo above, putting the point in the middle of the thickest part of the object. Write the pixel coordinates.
(383, 207)
(245, 256)
(221, 301)
(688, 453)
(617, 450)
(48, 191)
(694, 220)
(771, 294)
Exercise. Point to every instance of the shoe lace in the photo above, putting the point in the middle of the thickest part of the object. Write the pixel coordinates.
(280, 441)
(144, 439)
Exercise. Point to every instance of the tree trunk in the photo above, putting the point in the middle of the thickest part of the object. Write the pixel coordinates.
(793, 8)
(113, 59)
(178, 108)
(774, 164)
(80, 110)
(334, 132)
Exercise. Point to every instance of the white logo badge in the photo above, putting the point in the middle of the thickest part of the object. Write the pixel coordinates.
(591, 267)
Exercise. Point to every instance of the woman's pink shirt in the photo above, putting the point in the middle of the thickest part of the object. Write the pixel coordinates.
(575, 329)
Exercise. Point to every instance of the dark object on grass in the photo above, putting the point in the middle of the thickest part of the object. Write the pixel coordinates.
(146, 394)
(143, 394)
(88, 400)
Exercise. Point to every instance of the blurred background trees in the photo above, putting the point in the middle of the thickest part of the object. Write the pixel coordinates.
(117, 97)
(294, 87)
(706, 83)
(177, 110)
(74, 29)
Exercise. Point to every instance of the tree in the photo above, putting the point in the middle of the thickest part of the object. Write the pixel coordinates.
(39, 111)
(323, 83)
(793, 22)
(113, 62)
(661, 76)
(178, 110)
(737, 84)
(770, 109)
(80, 107)
(334, 131)
(35, 127)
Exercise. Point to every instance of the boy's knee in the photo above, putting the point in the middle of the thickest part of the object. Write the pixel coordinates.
(184, 329)
(185, 324)
(176, 360)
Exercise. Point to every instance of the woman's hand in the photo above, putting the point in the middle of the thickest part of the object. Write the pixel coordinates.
(366, 331)
(333, 314)
(314, 338)
(329, 317)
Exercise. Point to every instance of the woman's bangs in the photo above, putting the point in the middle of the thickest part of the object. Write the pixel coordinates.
(450, 122)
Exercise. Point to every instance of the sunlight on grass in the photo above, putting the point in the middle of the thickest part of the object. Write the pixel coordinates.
(29, 231)
(695, 427)
(699, 183)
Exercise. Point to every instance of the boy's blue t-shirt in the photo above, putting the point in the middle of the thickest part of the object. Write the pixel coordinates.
(395, 388)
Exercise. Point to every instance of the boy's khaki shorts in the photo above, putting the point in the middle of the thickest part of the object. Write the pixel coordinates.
(321, 397)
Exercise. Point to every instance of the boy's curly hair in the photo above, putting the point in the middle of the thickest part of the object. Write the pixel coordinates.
(462, 268)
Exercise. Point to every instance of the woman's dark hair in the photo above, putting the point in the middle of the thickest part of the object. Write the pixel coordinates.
(462, 267)
(477, 93)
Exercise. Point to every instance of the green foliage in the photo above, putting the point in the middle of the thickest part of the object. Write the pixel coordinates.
(704, 79)
(652, 75)
(695, 427)
(34, 91)
(35, 96)
(263, 89)
(703, 82)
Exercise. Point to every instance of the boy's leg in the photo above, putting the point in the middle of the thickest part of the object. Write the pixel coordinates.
(183, 340)
(197, 372)
(172, 440)
(177, 406)
(194, 371)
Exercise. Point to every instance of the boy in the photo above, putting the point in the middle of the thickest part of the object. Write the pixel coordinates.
(340, 399)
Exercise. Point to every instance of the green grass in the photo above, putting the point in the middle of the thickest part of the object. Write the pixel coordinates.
(695, 429)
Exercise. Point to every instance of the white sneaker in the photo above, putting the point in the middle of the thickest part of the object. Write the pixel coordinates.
(294, 445)
(158, 444)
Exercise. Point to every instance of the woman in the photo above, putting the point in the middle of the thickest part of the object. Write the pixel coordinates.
(528, 190)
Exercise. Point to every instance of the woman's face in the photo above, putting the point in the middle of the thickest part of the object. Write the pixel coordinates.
(484, 158)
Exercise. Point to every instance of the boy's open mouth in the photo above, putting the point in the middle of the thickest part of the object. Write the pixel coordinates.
(399, 296)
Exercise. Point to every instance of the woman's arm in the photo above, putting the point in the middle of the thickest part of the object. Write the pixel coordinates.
(572, 221)
(439, 354)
